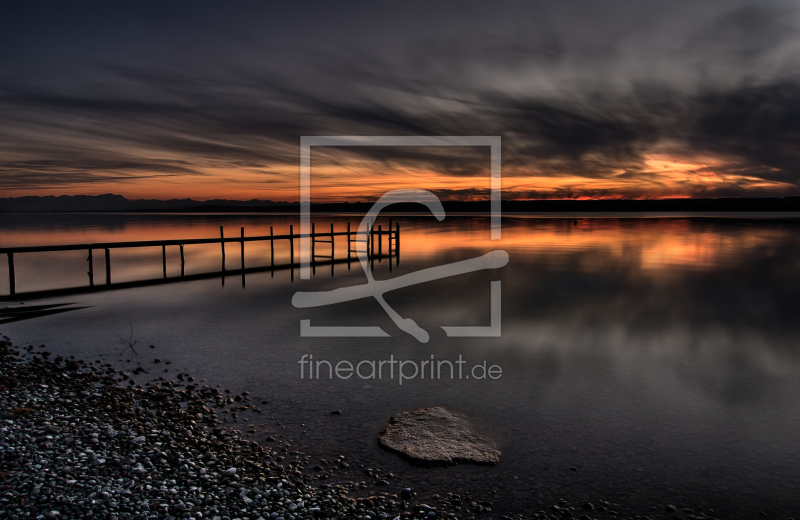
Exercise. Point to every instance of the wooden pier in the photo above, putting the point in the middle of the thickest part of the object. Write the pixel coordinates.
(327, 237)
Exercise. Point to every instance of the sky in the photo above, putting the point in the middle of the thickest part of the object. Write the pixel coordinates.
(613, 99)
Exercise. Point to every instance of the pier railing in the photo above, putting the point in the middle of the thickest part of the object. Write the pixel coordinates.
(353, 238)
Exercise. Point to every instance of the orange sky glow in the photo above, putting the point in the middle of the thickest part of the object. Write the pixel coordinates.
(661, 177)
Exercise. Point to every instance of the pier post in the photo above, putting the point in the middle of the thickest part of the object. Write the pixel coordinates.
(271, 252)
(242, 256)
(182, 263)
(397, 243)
(222, 242)
(331, 248)
(390, 244)
(164, 258)
(380, 242)
(366, 240)
(291, 251)
(313, 251)
(242, 249)
(271, 248)
(371, 240)
(108, 267)
(11, 283)
(91, 269)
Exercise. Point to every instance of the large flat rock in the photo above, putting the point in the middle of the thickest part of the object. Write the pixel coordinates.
(437, 436)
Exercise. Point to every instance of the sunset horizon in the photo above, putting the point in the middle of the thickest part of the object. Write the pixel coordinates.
(348, 183)
(373, 198)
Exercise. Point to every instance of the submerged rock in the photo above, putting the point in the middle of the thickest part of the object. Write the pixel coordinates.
(437, 436)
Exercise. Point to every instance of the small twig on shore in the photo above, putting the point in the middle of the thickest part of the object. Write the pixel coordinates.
(130, 342)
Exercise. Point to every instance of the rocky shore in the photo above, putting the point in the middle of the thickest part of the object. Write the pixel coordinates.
(80, 440)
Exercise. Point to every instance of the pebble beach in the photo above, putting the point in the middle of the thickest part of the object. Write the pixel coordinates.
(78, 442)
(83, 440)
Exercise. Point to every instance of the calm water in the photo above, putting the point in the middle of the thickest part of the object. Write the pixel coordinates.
(658, 356)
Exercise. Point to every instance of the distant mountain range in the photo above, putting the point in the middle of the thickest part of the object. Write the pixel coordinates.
(111, 202)
(118, 203)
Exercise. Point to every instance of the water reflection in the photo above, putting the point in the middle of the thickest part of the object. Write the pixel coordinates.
(13, 313)
(657, 356)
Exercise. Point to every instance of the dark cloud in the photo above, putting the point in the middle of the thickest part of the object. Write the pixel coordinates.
(759, 124)
(575, 89)
(48, 173)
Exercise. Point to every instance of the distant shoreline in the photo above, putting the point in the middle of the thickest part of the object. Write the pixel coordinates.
(118, 204)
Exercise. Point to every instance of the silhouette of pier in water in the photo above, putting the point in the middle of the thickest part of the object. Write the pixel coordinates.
(354, 238)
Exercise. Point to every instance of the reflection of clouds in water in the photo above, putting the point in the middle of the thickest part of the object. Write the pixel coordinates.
(607, 293)
(715, 360)
(649, 244)
(686, 367)
(53, 270)
(715, 311)
(80, 228)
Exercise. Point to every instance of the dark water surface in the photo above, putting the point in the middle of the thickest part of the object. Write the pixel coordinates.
(657, 356)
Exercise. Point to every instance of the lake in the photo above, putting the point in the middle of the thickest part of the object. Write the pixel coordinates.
(646, 360)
